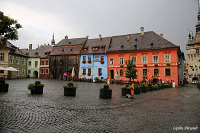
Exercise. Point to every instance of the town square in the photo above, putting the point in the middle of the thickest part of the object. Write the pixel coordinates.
(68, 70)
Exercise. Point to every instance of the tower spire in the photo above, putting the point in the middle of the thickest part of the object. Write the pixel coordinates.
(53, 40)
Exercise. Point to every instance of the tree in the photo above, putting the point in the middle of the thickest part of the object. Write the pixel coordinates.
(8, 29)
(130, 70)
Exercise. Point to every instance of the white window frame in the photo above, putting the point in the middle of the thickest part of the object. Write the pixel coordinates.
(2, 56)
(154, 72)
(143, 72)
(11, 60)
(46, 71)
(121, 72)
(84, 58)
(167, 58)
(144, 59)
(23, 72)
(135, 59)
(111, 61)
(17, 60)
(154, 61)
(23, 61)
(121, 60)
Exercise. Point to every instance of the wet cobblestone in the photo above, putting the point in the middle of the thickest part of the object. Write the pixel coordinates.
(157, 111)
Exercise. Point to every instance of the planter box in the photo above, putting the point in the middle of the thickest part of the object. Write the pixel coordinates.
(70, 91)
(126, 91)
(144, 90)
(136, 91)
(37, 90)
(150, 88)
(4, 87)
(106, 94)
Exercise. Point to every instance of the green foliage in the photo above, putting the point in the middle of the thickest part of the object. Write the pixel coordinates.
(2, 81)
(106, 87)
(8, 28)
(136, 86)
(70, 84)
(37, 82)
(130, 70)
(155, 86)
(31, 86)
(143, 85)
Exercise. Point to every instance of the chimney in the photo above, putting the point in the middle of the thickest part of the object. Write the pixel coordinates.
(142, 31)
(30, 46)
(161, 35)
(128, 37)
(100, 37)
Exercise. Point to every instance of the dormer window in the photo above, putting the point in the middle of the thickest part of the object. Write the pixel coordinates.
(151, 44)
(46, 53)
(71, 49)
(85, 48)
(36, 53)
(122, 46)
(135, 46)
(95, 48)
(103, 47)
(69, 42)
(135, 39)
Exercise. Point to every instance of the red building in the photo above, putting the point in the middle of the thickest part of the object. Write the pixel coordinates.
(154, 57)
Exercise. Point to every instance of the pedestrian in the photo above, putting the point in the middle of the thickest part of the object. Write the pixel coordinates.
(65, 76)
(132, 90)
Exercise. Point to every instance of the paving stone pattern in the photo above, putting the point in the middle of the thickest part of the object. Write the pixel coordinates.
(157, 111)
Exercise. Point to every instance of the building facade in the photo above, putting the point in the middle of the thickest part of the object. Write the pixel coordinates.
(154, 57)
(193, 55)
(65, 56)
(4, 52)
(93, 59)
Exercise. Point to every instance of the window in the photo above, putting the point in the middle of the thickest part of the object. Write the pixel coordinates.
(47, 71)
(23, 72)
(17, 72)
(84, 70)
(144, 59)
(89, 58)
(29, 71)
(121, 72)
(156, 72)
(17, 60)
(99, 71)
(47, 62)
(75, 61)
(121, 60)
(23, 61)
(2, 56)
(144, 72)
(29, 63)
(102, 58)
(167, 72)
(112, 61)
(134, 59)
(167, 58)
(11, 59)
(36, 64)
(1, 71)
(89, 70)
(42, 71)
(197, 50)
(84, 58)
(69, 61)
(155, 59)
(42, 62)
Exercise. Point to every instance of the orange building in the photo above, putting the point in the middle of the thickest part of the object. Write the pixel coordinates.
(154, 57)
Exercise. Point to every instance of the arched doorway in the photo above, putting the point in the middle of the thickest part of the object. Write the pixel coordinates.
(35, 74)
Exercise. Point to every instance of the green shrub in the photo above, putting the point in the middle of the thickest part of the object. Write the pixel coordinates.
(125, 86)
(70, 84)
(37, 82)
(137, 86)
(155, 86)
(31, 86)
(106, 87)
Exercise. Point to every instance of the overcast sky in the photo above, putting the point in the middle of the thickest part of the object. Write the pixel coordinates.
(81, 18)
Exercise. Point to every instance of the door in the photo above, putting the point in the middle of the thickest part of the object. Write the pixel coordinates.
(112, 74)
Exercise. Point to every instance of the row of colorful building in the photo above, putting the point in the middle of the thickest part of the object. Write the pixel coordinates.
(102, 57)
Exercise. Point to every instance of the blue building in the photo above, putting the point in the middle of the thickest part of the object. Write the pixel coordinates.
(93, 58)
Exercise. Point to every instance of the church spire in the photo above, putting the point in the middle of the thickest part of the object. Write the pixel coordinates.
(53, 41)
(198, 16)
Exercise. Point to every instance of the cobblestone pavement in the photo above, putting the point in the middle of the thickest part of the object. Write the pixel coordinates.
(157, 111)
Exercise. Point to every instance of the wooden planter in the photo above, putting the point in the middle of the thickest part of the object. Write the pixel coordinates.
(126, 91)
(70, 91)
(37, 90)
(106, 93)
(4, 87)
(136, 91)
(144, 89)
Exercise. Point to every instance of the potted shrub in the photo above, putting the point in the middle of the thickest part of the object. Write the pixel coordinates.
(100, 74)
(155, 86)
(162, 86)
(36, 88)
(3, 86)
(126, 89)
(143, 88)
(83, 73)
(106, 92)
(69, 90)
(83, 62)
(89, 61)
(89, 74)
(102, 62)
(150, 87)
(96, 79)
(137, 89)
